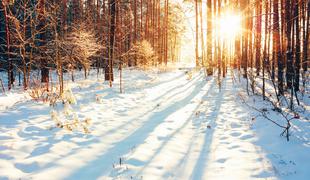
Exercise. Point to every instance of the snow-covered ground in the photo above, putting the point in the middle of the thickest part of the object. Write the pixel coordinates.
(9, 99)
(166, 125)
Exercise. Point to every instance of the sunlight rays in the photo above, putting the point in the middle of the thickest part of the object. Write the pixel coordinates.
(229, 26)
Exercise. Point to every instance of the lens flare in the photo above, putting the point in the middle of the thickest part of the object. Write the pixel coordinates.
(229, 26)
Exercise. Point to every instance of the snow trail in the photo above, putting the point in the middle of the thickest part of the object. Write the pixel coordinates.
(206, 139)
(171, 128)
(232, 153)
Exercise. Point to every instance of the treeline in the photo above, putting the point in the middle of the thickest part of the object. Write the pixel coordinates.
(78, 34)
(273, 43)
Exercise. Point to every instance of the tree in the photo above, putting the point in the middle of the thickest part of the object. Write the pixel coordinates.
(41, 41)
(297, 51)
(258, 35)
(209, 38)
(112, 5)
(201, 35)
(277, 50)
(144, 53)
(306, 24)
(244, 64)
(266, 47)
(5, 44)
(289, 52)
(197, 31)
(81, 45)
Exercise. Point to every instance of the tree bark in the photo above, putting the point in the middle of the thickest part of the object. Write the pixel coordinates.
(289, 51)
(112, 5)
(197, 38)
(258, 35)
(277, 50)
(297, 51)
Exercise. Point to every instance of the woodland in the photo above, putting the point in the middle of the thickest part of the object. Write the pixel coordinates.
(154, 89)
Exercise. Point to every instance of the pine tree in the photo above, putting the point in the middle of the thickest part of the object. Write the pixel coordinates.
(297, 50)
(277, 50)
(209, 38)
(112, 5)
(258, 35)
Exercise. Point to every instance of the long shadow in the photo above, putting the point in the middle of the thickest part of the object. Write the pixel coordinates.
(129, 122)
(174, 133)
(166, 81)
(197, 77)
(186, 87)
(24, 107)
(164, 95)
(89, 92)
(26, 113)
(22, 112)
(203, 158)
(103, 162)
(190, 147)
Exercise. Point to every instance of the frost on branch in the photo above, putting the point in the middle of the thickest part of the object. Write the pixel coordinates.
(144, 53)
(81, 45)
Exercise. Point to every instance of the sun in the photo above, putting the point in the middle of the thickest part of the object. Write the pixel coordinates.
(229, 26)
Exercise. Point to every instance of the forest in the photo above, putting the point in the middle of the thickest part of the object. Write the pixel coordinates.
(154, 89)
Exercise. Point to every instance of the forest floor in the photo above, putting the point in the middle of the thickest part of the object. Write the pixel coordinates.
(166, 125)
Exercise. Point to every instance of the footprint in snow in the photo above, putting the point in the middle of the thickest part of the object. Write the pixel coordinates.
(222, 160)
(160, 167)
(235, 134)
(234, 147)
(235, 125)
(161, 138)
(245, 137)
(40, 150)
(27, 168)
(5, 137)
(225, 142)
(223, 138)
(6, 157)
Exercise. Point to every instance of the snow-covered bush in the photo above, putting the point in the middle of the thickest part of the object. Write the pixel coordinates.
(144, 53)
(68, 119)
(65, 117)
(68, 96)
(38, 92)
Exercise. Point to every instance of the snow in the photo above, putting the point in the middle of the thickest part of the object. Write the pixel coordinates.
(9, 99)
(173, 124)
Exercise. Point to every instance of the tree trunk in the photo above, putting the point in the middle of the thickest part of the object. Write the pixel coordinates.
(297, 51)
(289, 57)
(306, 24)
(277, 50)
(245, 40)
(42, 42)
(7, 48)
(258, 35)
(266, 40)
(209, 38)
(112, 5)
(202, 36)
(197, 38)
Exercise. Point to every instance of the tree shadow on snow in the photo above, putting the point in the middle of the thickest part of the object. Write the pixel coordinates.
(103, 162)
